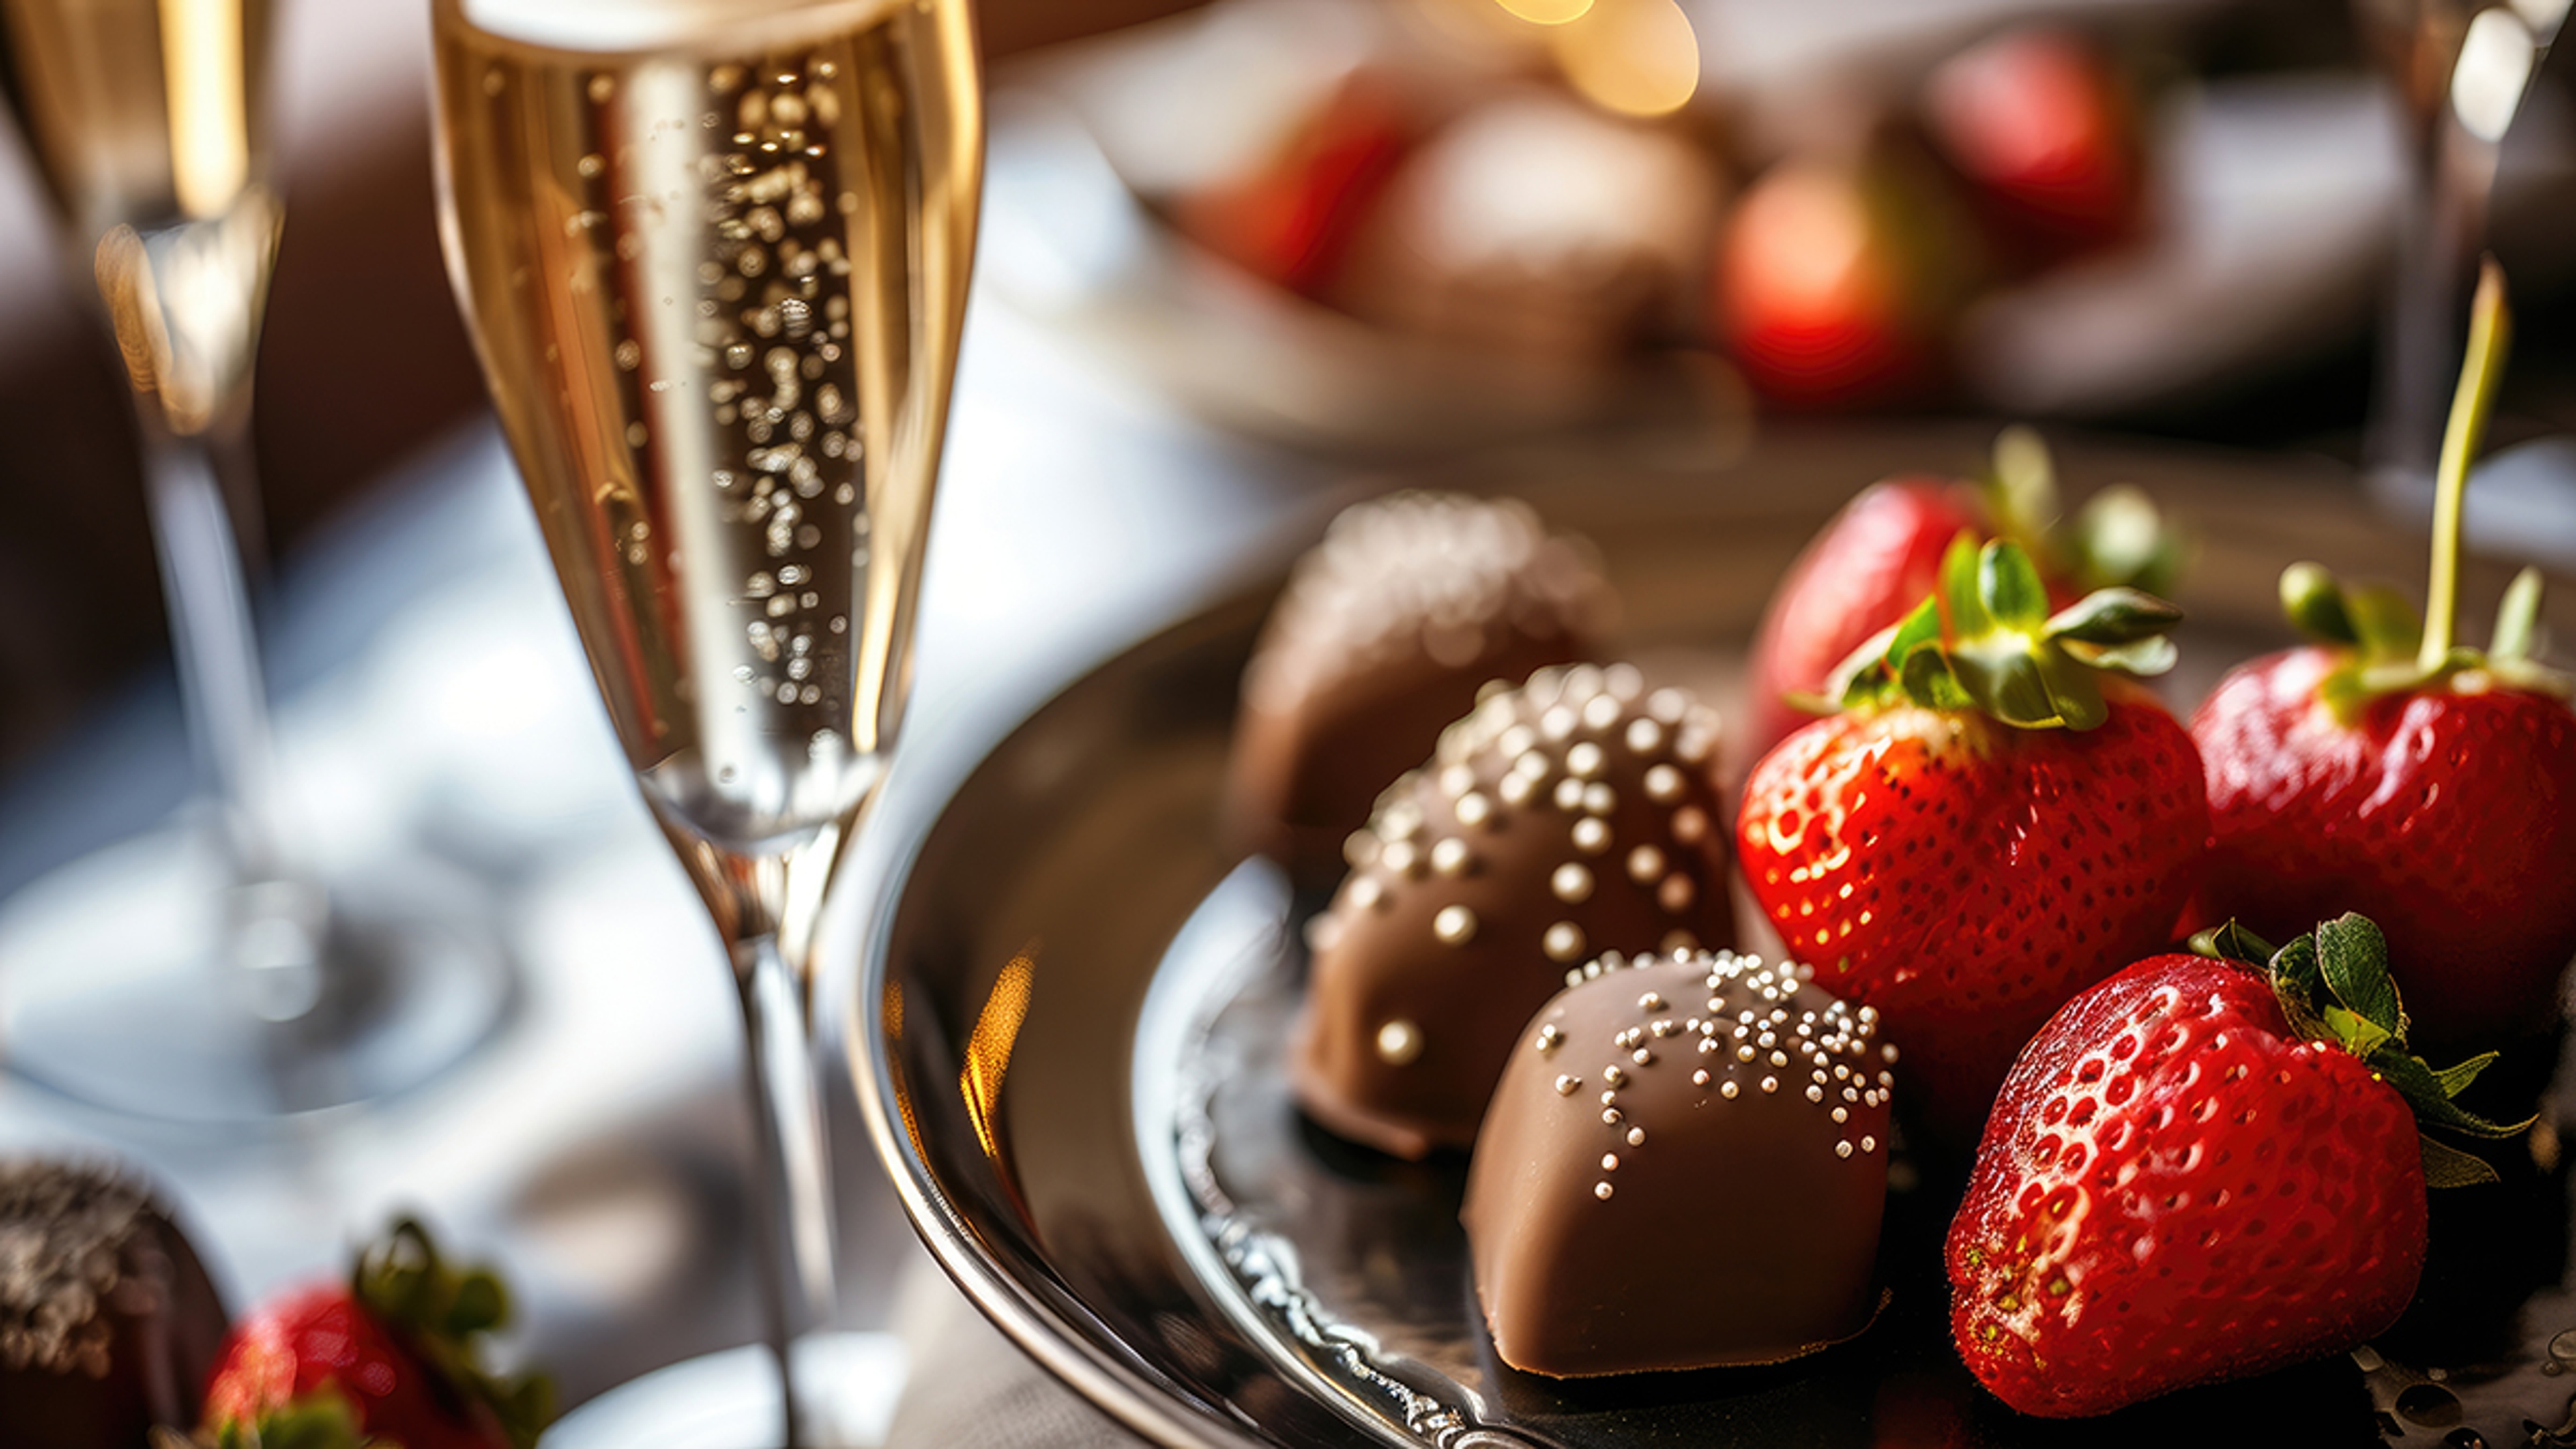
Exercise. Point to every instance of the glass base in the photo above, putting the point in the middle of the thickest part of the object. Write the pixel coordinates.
(116, 990)
(729, 1400)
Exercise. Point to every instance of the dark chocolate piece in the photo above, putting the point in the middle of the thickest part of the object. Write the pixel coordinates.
(1575, 815)
(1385, 633)
(1684, 1166)
(108, 1323)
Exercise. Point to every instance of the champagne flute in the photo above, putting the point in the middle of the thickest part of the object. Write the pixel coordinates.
(714, 255)
(260, 994)
(2461, 69)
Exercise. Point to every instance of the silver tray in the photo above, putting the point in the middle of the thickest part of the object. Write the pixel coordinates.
(1066, 1031)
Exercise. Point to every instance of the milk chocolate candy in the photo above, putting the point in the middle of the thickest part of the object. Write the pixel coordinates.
(1385, 633)
(108, 1323)
(1574, 815)
(1684, 1166)
(1536, 225)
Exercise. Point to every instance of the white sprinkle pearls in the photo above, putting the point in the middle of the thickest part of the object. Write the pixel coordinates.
(1645, 864)
(1563, 941)
(1399, 1043)
(1454, 925)
(1450, 857)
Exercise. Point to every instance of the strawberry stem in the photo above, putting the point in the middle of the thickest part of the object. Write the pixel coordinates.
(1986, 641)
(2334, 986)
(2490, 333)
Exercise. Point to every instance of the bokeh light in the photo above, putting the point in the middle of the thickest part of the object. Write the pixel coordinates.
(1635, 57)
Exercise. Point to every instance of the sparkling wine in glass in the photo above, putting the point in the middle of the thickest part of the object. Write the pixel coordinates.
(715, 258)
(203, 974)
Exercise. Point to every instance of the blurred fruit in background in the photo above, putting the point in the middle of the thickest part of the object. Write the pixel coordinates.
(2044, 133)
(1566, 206)
(1546, 178)
(1836, 284)
(1290, 219)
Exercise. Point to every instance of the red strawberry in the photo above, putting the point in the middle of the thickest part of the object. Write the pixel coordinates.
(1881, 554)
(2043, 132)
(1876, 559)
(1834, 286)
(2195, 1173)
(391, 1356)
(1292, 220)
(2436, 785)
(1988, 827)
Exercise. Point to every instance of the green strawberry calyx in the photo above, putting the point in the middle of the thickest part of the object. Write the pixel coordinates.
(2388, 648)
(445, 1314)
(1985, 640)
(320, 1419)
(2334, 987)
(2118, 539)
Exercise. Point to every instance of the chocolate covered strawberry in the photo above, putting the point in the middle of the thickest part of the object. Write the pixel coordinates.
(1881, 554)
(392, 1356)
(1992, 823)
(2201, 1170)
(2389, 768)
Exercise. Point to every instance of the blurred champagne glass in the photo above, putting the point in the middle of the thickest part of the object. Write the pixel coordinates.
(714, 255)
(2460, 69)
(203, 974)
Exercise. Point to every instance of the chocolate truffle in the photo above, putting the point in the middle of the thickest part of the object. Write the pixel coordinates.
(1534, 225)
(1684, 1166)
(108, 1323)
(1385, 633)
(1574, 815)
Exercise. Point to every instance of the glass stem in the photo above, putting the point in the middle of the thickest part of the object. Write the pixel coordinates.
(212, 637)
(792, 1217)
(275, 922)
